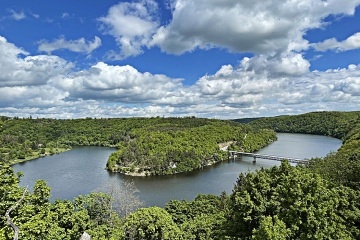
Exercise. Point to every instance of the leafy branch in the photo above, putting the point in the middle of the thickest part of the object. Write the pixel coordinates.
(9, 220)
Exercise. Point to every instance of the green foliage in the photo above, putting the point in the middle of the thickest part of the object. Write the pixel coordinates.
(10, 192)
(151, 223)
(320, 201)
(303, 201)
(201, 218)
(202, 227)
(147, 146)
(182, 211)
(334, 124)
(174, 146)
(38, 218)
(41, 193)
(342, 167)
(98, 206)
(271, 228)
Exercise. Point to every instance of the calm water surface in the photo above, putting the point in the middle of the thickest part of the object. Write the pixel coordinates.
(81, 171)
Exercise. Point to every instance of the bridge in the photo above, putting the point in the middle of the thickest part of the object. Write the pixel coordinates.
(233, 154)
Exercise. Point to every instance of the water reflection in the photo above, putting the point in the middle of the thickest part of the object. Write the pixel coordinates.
(81, 171)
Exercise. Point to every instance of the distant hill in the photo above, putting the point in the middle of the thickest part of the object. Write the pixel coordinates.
(245, 120)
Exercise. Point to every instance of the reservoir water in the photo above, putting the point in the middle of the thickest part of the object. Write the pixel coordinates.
(82, 170)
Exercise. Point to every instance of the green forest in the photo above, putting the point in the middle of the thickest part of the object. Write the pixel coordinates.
(316, 201)
(146, 146)
(182, 145)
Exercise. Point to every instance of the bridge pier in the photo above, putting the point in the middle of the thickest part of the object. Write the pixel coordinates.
(232, 155)
(254, 160)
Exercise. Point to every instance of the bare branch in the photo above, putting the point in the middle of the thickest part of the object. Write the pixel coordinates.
(9, 220)
(124, 198)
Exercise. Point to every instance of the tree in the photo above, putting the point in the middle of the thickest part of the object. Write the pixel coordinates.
(41, 193)
(271, 228)
(10, 192)
(33, 216)
(124, 199)
(308, 206)
(151, 223)
(97, 205)
(203, 227)
(201, 218)
(10, 221)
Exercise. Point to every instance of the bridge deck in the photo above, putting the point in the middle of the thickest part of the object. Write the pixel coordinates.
(269, 157)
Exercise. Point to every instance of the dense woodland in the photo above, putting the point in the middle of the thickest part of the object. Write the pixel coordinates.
(342, 167)
(147, 146)
(182, 145)
(318, 201)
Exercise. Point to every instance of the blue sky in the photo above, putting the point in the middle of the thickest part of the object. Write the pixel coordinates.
(216, 59)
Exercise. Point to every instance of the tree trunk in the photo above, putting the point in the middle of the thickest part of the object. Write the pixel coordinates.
(9, 221)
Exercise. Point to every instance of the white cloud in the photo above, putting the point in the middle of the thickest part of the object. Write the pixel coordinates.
(272, 30)
(280, 64)
(48, 86)
(34, 15)
(352, 42)
(132, 24)
(117, 83)
(247, 89)
(240, 88)
(30, 96)
(330, 88)
(17, 68)
(65, 15)
(17, 15)
(261, 27)
(79, 45)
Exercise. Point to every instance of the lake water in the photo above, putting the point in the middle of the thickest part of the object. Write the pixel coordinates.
(82, 170)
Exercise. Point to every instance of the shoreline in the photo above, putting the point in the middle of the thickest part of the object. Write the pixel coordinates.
(37, 156)
(48, 153)
(145, 174)
(223, 147)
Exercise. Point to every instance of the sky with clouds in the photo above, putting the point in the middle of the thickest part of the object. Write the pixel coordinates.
(206, 58)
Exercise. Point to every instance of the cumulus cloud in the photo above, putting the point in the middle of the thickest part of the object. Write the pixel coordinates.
(132, 24)
(79, 45)
(117, 83)
(336, 87)
(17, 68)
(280, 64)
(246, 89)
(261, 27)
(273, 31)
(30, 96)
(352, 42)
(48, 86)
(239, 88)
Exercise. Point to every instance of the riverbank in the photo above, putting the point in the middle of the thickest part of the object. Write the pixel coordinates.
(81, 171)
(138, 172)
(37, 155)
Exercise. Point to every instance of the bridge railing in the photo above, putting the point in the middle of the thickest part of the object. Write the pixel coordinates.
(269, 157)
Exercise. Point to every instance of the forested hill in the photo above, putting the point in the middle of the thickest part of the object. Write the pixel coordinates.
(320, 201)
(334, 124)
(146, 145)
(245, 120)
(180, 145)
(342, 167)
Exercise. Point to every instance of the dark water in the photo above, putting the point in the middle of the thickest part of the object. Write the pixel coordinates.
(81, 171)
